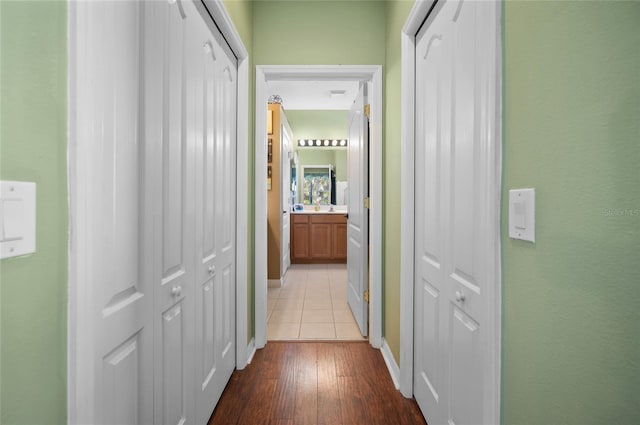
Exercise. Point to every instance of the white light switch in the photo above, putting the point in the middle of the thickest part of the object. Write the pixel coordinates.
(522, 206)
(17, 218)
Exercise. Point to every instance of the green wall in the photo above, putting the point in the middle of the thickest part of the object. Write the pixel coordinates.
(397, 12)
(318, 124)
(241, 14)
(571, 301)
(334, 33)
(313, 156)
(571, 352)
(319, 32)
(341, 164)
(321, 124)
(33, 146)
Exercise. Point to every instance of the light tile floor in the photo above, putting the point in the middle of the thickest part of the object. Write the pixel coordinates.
(311, 304)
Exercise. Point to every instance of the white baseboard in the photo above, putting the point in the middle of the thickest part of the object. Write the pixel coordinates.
(251, 350)
(274, 283)
(392, 366)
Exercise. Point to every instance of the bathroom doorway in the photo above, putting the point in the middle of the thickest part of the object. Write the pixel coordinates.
(307, 133)
(314, 295)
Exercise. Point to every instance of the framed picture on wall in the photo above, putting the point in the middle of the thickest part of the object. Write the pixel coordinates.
(269, 122)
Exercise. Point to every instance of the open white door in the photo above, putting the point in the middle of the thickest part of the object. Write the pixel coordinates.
(285, 195)
(358, 222)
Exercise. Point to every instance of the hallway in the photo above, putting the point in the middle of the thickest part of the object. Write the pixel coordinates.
(315, 383)
(311, 304)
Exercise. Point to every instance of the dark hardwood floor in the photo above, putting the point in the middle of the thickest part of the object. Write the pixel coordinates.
(297, 383)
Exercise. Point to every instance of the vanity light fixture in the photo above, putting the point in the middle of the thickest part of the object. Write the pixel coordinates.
(323, 143)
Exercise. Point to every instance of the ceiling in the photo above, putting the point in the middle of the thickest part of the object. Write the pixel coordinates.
(308, 95)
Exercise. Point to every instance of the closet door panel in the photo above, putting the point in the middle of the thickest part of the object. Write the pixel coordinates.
(173, 196)
(214, 91)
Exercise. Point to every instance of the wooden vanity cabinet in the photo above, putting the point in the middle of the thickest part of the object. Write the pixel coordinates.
(299, 238)
(318, 238)
(340, 240)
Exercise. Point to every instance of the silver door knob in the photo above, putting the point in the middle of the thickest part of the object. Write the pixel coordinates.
(460, 296)
(210, 270)
(176, 290)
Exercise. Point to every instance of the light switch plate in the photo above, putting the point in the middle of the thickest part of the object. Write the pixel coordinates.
(17, 218)
(522, 213)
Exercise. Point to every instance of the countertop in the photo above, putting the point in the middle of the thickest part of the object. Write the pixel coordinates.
(311, 211)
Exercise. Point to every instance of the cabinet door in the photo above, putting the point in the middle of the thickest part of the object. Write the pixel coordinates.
(300, 242)
(339, 242)
(321, 240)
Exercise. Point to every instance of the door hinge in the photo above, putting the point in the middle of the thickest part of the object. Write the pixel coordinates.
(366, 296)
(367, 110)
(367, 203)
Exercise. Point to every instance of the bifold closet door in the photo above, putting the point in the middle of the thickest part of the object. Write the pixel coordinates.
(170, 195)
(113, 318)
(152, 195)
(455, 213)
(190, 91)
(211, 118)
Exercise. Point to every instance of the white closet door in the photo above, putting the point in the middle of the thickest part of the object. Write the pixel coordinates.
(433, 133)
(454, 241)
(212, 117)
(171, 197)
(191, 146)
(154, 191)
(114, 318)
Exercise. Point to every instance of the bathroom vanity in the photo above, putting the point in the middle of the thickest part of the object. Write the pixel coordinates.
(318, 236)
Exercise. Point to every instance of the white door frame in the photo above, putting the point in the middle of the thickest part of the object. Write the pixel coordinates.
(372, 73)
(414, 21)
(81, 342)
